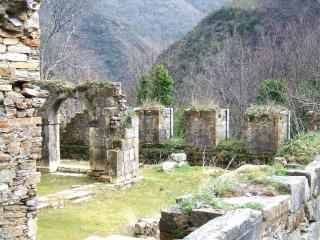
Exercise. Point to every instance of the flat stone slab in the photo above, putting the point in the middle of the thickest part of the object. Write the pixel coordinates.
(313, 176)
(242, 224)
(179, 157)
(299, 189)
(272, 207)
(73, 169)
(168, 166)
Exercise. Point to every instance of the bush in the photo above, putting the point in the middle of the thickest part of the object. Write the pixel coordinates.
(232, 145)
(301, 149)
(272, 90)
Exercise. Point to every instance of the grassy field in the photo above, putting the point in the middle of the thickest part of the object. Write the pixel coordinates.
(112, 211)
(51, 183)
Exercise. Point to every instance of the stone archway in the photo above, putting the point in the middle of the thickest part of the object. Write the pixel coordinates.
(113, 135)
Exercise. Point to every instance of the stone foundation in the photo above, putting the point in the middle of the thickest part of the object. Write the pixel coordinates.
(156, 125)
(206, 128)
(265, 135)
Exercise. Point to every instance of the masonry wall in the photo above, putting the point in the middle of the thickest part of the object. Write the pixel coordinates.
(206, 128)
(20, 129)
(265, 135)
(313, 122)
(156, 125)
(77, 130)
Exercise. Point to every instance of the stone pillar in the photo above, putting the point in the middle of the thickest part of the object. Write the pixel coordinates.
(156, 125)
(206, 128)
(313, 125)
(20, 129)
(266, 134)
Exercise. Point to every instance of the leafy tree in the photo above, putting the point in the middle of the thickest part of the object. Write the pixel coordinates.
(272, 90)
(163, 85)
(145, 89)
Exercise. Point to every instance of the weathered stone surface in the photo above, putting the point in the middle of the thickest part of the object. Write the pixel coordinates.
(200, 217)
(147, 227)
(313, 177)
(244, 224)
(299, 188)
(313, 232)
(206, 128)
(266, 134)
(173, 218)
(312, 209)
(168, 166)
(179, 157)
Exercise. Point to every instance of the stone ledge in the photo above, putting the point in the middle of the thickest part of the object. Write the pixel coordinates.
(238, 224)
(17, 122)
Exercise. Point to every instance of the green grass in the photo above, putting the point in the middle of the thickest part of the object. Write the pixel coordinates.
(301, 149)
(112, 211)
(52, 183)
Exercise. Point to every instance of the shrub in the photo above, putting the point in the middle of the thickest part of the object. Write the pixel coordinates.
(144, 90)
(272, 90)
(301, 149)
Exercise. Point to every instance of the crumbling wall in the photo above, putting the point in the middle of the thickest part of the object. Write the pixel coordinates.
(77, 130)
(20, 129)
(206, 128)
(156, 125)
(265, 135)
(313, 125)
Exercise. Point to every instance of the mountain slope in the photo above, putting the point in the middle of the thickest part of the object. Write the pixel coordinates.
(249, 20)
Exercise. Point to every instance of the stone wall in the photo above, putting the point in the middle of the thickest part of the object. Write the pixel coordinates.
(206, 128)
(289, 217)
(265, 135)
(77, 130)
(20, 129)
(156, 125)
(313, 122)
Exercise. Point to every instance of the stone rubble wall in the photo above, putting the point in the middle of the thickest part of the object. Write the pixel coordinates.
(156, 125)
(206, 128)
(313, 122)
(77, 130)
(287, 217)
(20, 129)
(265, 135)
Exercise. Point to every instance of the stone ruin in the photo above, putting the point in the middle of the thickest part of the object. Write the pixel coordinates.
(113, 135)
(206, 128)
(20, 128)
(313, 124)
(266, 134)
(156, 125)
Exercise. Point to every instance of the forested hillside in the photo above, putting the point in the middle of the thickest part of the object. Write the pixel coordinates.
(228, 54)
(119, 39)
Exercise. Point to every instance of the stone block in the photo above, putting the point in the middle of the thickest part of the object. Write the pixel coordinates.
(313, 176)
(200, 217)
(173, 218)
(179, 157)
(147, 227)
(25, 65)
(296, 218)
(168, 166)
(14, 57)
(10, 41)
(3, 48)
(312, 209)
(312, 233)
(294, 235)
(243, 224)
(299, 189)
(5, 87)
(20, 48)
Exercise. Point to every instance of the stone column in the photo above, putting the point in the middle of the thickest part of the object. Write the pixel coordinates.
(20, 129)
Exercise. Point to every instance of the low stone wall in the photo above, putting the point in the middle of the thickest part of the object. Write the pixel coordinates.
(156, 125)
(265, 135)
(289, 217)
(206, 128)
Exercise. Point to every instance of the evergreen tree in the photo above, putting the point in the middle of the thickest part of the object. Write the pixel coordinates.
(144, 91)
(163, 85)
